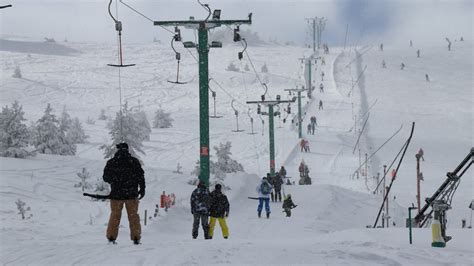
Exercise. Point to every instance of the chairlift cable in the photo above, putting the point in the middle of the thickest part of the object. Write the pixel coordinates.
(217, 83)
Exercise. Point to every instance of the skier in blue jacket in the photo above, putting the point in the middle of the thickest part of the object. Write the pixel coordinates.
(264, 189)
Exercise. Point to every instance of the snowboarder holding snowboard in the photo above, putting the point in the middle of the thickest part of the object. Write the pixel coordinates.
(288, 205)
(200, 202)
(218, 210)
(125, 175)
(264, 190)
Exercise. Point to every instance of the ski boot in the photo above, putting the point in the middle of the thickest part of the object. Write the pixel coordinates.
(268, 215)
(112, 241)
(136, 241)
(259, 214)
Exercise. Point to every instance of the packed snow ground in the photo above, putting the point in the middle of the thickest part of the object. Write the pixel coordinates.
(327, 227)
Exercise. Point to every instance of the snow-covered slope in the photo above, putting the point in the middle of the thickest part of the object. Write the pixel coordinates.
(327, 227)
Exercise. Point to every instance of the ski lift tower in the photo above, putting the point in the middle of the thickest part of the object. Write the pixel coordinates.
(300, 119)
(271, 114)
(203, 27)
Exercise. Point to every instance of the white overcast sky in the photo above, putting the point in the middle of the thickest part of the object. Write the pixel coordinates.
(374, 20)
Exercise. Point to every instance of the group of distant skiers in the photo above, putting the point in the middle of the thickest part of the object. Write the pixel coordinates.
(270, 188)
(311, 128)
(304, 145)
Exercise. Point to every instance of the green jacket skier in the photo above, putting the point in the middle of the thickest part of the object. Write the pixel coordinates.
(288, 205)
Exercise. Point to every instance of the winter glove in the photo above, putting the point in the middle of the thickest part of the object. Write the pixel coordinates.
(141, 193)
(227, 214)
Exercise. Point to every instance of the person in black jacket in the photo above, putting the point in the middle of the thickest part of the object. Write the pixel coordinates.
(277, 182)
(125, 176)
(219, 210)
(200, 201)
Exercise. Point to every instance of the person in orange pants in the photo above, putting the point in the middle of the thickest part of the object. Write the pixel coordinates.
(219, 210)
(125, 175)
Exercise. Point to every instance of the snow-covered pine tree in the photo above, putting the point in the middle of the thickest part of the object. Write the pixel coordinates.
(17, 73)
(124, 128)
(102, 115)
(162, 119)
(65, 123)
(14, 135)
(48, 138)
(143, 123)
(232, 67)
(219, 175)
(224, 162)
(76, 133)
(84, 175)
(197, 168)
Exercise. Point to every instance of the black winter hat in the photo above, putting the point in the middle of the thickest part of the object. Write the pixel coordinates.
(218, 187)
(122, 146)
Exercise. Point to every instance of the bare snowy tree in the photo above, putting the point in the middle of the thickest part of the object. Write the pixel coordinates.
(22, 209)
(84, 175)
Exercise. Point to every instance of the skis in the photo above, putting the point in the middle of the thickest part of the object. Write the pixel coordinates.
(290, 208)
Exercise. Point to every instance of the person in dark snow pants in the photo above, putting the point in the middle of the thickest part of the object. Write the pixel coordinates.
(200, 202)
(277, 182)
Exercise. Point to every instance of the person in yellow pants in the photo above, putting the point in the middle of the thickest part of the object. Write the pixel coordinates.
(219, 210)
